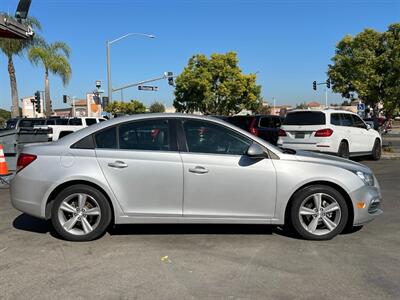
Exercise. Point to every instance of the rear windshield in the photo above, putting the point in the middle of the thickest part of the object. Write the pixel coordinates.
(305, 118)
(242, 122)
(31, 122)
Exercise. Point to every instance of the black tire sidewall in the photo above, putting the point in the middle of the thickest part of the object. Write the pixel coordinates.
(308, 191)
(377, 144)
(104, 208)
(344, 149)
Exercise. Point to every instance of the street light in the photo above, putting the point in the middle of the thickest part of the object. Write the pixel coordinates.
(108, 44)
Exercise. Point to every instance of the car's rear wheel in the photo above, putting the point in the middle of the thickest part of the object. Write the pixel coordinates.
(318, 212)
(377, 150)
(80, 213)
(344, 150)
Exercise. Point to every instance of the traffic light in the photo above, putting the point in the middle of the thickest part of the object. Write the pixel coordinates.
(65, 98)
(170, 77)
(105, 102)
(314, 85)
(37, 102)
(328, 83)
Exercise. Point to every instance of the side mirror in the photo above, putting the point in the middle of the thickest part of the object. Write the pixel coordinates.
(368, 127)
(255, 151)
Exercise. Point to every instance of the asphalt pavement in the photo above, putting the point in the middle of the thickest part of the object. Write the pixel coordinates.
(203, 261)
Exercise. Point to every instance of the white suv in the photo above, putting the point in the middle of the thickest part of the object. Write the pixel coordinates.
(331, 131)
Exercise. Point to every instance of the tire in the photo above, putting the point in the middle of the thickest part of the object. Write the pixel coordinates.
(344, 150)
(376, 150)
(321, 225)
(80, 213)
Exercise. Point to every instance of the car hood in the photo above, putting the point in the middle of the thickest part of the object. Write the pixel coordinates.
(313, 157)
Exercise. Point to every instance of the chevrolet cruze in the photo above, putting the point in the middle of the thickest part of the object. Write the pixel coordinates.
(161, 168)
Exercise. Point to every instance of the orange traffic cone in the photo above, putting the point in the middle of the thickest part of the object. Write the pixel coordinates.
(3, 163)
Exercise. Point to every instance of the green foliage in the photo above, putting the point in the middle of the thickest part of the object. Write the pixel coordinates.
(368, 66)
(54, 58)
(128, 108)
(216, 85)
(157, 107)
(14, 47)
(4, 116)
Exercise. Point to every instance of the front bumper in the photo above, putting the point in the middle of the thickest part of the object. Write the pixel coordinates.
(372, 199)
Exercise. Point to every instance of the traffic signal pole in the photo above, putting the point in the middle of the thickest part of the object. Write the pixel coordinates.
(327, 84)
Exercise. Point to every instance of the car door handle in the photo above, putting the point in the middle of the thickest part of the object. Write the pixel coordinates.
(198, 170)
(117, 164)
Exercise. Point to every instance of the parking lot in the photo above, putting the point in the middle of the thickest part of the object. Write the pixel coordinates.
(203, 261)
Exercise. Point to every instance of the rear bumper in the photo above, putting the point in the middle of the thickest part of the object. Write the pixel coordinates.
(323, 146)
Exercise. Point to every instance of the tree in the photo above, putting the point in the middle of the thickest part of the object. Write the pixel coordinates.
(132, 107)
(368, 66)
(4, 116)
(157, 107)
(13, 47)
(216, 85)
(54, 58)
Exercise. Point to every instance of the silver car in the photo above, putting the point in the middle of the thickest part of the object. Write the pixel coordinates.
(171, 168)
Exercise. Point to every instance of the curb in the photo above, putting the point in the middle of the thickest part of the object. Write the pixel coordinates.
(390, 156)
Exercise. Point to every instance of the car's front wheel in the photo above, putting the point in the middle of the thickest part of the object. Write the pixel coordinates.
(318, 212)
(80, 213)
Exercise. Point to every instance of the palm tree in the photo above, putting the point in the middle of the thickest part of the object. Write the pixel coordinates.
(54, 58)
(13, 47)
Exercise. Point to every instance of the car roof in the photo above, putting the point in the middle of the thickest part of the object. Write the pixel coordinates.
(326, 111)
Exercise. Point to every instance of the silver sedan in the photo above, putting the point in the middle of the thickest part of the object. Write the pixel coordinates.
(171, 168)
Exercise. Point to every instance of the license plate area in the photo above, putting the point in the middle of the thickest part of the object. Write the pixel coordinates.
(299, 135)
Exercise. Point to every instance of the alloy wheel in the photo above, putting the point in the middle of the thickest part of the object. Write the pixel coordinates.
(319, 214)
(79, 214)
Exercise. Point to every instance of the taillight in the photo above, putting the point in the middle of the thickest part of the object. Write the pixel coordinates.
(253, 129)
(323, 132)
(281, 132)
(24, 160)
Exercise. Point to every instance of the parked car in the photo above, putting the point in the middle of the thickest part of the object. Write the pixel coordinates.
(171, 168)
(59, 127)
(331, 131)
(263, 126)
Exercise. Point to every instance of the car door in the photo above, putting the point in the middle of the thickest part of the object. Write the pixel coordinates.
(219, 179)
(350, 133)
(364, 136)
(142, 166)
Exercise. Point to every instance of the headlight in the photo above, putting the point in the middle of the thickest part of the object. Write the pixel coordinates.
(366, 177)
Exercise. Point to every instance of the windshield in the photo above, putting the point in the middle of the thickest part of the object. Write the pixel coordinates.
(11, 124)
(305, 118)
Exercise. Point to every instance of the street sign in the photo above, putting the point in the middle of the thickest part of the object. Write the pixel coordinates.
(147, 88)
(360, 107)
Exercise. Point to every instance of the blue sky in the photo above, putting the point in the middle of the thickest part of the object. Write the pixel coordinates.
(289, 43)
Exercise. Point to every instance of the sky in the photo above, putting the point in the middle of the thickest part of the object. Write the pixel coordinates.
(288, 43)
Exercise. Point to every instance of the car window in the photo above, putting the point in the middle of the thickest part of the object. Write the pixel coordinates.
(31, 123)
(347, 120)
(75, 121)
(102, 120)
(240, 121)
(90, 121)
(106, 139)
(205, 137)
(51, 122)
(305, 118)
(267, 122)
(11, 124)
(61, 121)
(335, 119)
(357, 122)
(145, 135)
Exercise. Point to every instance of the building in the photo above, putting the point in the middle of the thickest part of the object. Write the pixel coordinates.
(29, 110)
